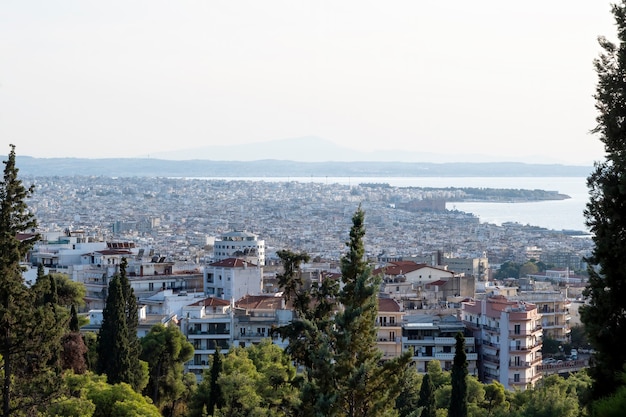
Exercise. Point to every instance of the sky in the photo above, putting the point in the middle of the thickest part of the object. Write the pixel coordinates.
(484, 79)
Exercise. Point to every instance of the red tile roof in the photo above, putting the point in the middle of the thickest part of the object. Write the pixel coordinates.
(260, 302)
(388, 305)
(232, 263)
(211, 302)
(399, 268)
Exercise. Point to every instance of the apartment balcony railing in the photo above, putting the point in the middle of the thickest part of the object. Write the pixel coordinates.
(524, 381)
(524, 332)
(210, 331)
(525, 348)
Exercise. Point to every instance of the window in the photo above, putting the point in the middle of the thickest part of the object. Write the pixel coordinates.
(392, 320)
(517, 329)
(151, 286)
(392, 336)
(515, 377)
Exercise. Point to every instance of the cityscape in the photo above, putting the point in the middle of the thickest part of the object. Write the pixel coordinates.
(200, 245)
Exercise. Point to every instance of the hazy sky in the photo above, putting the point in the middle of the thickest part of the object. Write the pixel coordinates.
(132, 78)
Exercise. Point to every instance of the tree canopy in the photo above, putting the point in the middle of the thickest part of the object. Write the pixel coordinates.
(603, 316)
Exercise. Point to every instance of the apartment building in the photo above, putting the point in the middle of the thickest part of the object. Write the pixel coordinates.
(389, 324)
(554, 308)
(240, 244)
(256, 316)
(208, 325)
(508, 334)
(232, 278)
(432, 337)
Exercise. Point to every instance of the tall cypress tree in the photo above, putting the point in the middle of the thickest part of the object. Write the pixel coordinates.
(113, 347)
(603, 316)
(427, 398)
(132, 322)
(118, 345)
(458, 398)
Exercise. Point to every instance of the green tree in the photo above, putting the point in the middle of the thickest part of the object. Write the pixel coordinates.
(427, 398)
(310, 334)
(208, 395)
(508, 269)
(407, 400)
(239, 382)
(277, 374)
(333, 337)
(113, 348)
(528, 268)
(495, 398)
(458, 399)
(166, 349)
(365, 387)
(118, 346)
(603, 316)
(29, 332)
(438, 377)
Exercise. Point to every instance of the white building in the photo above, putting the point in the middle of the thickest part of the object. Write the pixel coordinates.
(232, 278)
(208, 325)
(240, 244)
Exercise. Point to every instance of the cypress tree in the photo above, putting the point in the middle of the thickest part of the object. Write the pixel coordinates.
(603, 315)
(113, 347)
(427, 398)
(132, 322)
(458, 398)
(74, 320)
(216, 399)
(118, 346)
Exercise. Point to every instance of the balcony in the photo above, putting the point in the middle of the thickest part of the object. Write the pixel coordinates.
(524, 381)
(526, 348)
(525, 332)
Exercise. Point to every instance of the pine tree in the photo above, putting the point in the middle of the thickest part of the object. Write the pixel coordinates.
(603, 316)
(458, 398)
(427, 398)
(19, 328)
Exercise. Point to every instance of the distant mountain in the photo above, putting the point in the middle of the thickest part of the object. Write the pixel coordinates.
(147, 167)
(312, 149)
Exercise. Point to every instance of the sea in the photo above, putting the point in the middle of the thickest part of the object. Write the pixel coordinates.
(556, 215)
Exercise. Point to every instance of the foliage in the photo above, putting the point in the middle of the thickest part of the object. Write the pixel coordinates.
(528, 268)
(495, 398)
(603, 317)
(30, 329)
(508, 269)
(427, 398)
(550, 346)
(73, 353)
(208, 396)
(118, 346)
(578, 337)
(166, 349)
(407, 400)
(458, 400)
(343, 374)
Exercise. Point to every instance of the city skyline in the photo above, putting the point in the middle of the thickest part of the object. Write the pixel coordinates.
(485, 82)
